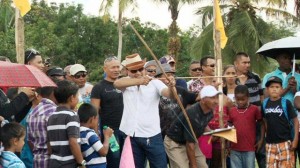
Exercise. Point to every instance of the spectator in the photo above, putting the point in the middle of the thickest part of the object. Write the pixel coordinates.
(150, 68)
(34, 58)
(67, 73)
(194, 71)
(56, 73)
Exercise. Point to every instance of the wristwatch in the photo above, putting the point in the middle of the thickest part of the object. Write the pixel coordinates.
(83, 163)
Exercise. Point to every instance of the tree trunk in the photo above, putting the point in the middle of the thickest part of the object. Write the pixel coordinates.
(19, 37)
(120, 34)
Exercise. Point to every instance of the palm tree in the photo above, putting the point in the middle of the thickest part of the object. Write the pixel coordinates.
(122, 5)
(246, 31)
(6, 15)
(174, 41)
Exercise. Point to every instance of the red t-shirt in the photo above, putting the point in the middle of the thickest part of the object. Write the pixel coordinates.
(245, 124)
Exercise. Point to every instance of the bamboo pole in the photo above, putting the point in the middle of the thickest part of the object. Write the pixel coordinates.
(217, 51)
(19, 37)
(205, 77)
(173, 89)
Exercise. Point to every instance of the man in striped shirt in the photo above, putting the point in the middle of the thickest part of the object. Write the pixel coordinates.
(37, 126)
(63, 129)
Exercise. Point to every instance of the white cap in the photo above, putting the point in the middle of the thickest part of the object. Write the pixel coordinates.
(77, 68)
(297, 94)
(209, 91)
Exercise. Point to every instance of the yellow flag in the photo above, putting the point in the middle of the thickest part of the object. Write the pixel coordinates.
(229, 135)
(219, 26)
(23, 6)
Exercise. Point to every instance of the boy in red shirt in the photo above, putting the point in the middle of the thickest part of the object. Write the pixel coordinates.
(244, 117)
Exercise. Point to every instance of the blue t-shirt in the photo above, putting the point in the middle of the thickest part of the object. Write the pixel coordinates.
(285, 81)
(26, 154)
(11, 160)
(90, 145)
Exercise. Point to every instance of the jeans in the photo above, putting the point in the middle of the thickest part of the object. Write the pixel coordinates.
(113, 158)
(242, 159)
(151, 148)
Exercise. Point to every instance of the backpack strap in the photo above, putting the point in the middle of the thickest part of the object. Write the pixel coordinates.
(284, 107)
(265, 104)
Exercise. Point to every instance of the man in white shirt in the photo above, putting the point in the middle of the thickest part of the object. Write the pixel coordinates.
(140, 118)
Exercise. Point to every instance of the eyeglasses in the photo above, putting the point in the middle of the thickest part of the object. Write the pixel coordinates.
(108, 59)
(196, 69)
(212, 65)
(151, 70)
(135, 71)
(32, 51)
(78, 75)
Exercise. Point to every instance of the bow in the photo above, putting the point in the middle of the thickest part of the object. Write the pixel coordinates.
(173, 89)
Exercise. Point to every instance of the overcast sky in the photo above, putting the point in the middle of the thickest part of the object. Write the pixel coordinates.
(149, 11)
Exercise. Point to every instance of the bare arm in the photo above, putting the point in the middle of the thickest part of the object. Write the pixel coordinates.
(104, 150)
(75, 149)
(127, 82)
(96, 103)
(49, 148)
(296, 133)
(190, 150)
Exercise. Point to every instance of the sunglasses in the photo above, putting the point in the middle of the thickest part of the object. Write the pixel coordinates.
(151, 70)
(108, 59)
(77, 76)
(212, 65)
(196, 69)
(135, 71)
(32, 52)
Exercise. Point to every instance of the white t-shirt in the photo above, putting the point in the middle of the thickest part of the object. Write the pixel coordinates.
(141, 115)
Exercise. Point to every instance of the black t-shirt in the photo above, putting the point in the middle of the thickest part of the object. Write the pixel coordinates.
(169, 108)
(111, 103)
(278, 128)
(180, 131)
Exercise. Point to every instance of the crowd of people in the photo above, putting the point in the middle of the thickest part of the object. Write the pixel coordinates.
(76, 123)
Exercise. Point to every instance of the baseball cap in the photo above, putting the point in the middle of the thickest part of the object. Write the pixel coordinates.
(166, 59)
(77, 68)
(55, 71)
(166, 67)
(273, 79)
(150, 63)
(209, 91)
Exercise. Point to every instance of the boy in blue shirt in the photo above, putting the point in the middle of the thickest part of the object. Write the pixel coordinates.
(93, 150)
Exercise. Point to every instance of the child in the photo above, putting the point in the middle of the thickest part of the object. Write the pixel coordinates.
(63, 128)
(244, 117)
(280, 144)
(93, 150)
(12, 136)
(297, 107)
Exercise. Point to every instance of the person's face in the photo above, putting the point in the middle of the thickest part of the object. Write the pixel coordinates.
(230, 72)
(195, 70)
(94, 121)
(297, 102)
(136, 73)
(164, 78)
(173, 65)
(151, 70)
(19, 143)
(209, 68)
(211, 102)
(241, 100)
(37, 61)
(112, 69)
(284, 61)
(274, 90)
(80, 78)
(242, 64)
(74, 99)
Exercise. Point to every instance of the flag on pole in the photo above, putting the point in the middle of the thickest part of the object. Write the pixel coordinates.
(23, 6)
(219, 26)
(127, 160)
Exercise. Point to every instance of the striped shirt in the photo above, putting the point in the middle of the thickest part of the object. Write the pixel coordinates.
(254, 87)
(90, 145)
(11, 160)
(62, 125)
(37, 131)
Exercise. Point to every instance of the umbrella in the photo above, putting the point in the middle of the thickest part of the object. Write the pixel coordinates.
(290, 44)
(20, 75)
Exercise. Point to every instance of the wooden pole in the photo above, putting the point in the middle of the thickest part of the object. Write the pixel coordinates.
(173, 89)
(217, 51)
(205, 77)
(19, 37)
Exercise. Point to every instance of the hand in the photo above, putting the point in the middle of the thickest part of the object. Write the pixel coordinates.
(258, 145)
(145, 80)
(108, 132)
(171, 82)
(1, 119)
(293, 145)
(292, 83)
(30, 92)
